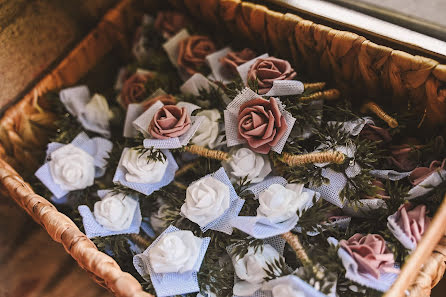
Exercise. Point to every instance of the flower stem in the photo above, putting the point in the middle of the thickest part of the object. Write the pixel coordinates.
(186, 168)
(139, 240)
(316, 86)
(318, 157)
(376, 109)
(331, 94)
(294, 242)
(207, 153)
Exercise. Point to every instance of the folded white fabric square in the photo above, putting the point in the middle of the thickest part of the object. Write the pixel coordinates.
(93, 113)
(134, 171)
(115, 214)
(74, 166)
(172, 261)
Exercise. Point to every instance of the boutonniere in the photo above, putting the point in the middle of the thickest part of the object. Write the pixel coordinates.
(168, 126)
(93, 113)
(74, 166)
(134, 87)
(244, 163)
(250, 266)
(145, 170)
(263, 124)
(291, 286)
(114, 214)
(172, 262)
(270, 76)
(408, 224)
(280, 205)
(134, 110)
(211, 202)
(188, 52)
(368, 261)
(224, 63)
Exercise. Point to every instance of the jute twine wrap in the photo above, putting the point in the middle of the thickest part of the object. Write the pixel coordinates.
(316, 86)
(331, 94)
(140, 241)
(297, 247)
(207, 153)
(377, 110)
(319, 157)
(186, 167)
(355, 65)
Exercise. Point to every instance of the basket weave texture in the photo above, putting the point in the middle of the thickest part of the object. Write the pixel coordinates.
(354, 64)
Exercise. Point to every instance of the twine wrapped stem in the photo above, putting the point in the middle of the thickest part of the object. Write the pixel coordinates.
(139, 240)
(331, 94)
(207, 153)
(295, 244)
(376, 109)
(185, 168)
(316, 86)
(318, 157)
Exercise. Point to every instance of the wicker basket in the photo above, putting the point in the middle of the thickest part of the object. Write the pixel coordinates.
(356, 65)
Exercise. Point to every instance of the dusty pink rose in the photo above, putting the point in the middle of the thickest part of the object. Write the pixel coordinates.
(234, 59)
(419, 174)
(165, 99)
(134, 90)
(375, 133)
(192, 53)
(267, 70)
(169, 121)
(370, 253)
(413, 222)
(170, 22)
(401, 157)
(261, 124)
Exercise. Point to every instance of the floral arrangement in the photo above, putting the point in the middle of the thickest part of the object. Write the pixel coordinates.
(215, 171)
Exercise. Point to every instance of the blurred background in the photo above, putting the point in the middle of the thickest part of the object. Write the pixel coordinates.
(34, 36)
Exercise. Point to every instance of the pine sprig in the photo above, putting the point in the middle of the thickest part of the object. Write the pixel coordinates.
(211, 98)
(241, 246)
(276, 268)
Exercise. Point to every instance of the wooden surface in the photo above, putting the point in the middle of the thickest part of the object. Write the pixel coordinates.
(35, 33)
(32, 265)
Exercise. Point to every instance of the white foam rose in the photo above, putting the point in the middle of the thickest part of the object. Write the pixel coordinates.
(283, 290)
(284, 286)
(175, 252)
(246, 163)
(207, 133)
(251, 267)
(279, 203)
(72, 168)
(206, 200)
(140, 169)
(115, 211)
(97, 112)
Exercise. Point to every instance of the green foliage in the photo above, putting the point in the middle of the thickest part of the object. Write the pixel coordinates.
(207, 98)
(276, 269)
(240, 247)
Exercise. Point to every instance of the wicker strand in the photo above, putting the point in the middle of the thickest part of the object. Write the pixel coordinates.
(140, 241)
(376, 109)
(316, 86)
(294, 242)
(331, 94)
(319, 157)
(207, 153)
(185, 168)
